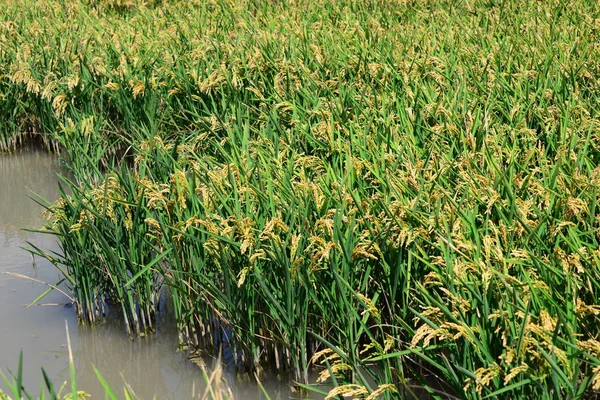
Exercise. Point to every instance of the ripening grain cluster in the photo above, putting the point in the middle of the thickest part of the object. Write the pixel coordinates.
(401, 194)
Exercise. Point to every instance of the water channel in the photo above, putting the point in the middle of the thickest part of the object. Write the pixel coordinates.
(152, 366)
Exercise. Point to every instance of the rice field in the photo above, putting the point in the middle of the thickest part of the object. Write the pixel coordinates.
(400, 194)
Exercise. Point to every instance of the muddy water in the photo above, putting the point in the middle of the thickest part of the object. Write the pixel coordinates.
(152, 366)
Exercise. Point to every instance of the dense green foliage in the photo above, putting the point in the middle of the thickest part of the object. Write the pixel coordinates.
(402, 191)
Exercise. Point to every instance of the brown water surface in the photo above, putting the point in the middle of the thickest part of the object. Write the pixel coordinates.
(152, 366)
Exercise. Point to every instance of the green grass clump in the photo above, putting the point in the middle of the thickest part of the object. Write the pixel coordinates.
(403, 192)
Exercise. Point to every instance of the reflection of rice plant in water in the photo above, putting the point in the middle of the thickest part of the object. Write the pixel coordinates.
(215, 387)
(401, 192)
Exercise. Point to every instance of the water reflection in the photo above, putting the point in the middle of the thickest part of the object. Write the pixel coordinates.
(153, 359)
(38, 330)
(21, 175)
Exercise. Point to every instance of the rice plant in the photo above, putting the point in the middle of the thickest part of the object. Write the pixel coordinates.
(400, 194)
